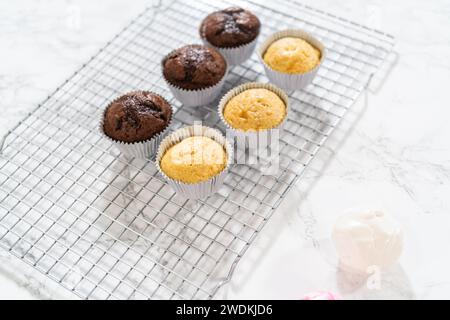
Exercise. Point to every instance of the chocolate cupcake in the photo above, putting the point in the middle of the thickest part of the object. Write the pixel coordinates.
(136, 122)
(195, 74)
(233, 31)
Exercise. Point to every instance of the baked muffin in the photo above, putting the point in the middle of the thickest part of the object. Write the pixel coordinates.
(194, 67)
(254, 110)
(136, 116)
(292, 55)
(194, 159)
(230, 27)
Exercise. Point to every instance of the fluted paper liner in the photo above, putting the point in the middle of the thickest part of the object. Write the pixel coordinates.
(205, 188)
(253, 139)
(289, 81)
(235, 55)
(195, 97)
(143, 149)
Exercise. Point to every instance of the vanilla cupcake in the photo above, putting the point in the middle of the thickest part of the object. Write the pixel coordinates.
(253, 112)
(194, 160)
(233, 32)
(194, 74)
(291, 58)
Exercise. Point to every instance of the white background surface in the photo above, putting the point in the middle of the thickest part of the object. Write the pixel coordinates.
(396, 157)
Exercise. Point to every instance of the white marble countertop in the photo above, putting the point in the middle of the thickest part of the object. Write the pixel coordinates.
(395, 157)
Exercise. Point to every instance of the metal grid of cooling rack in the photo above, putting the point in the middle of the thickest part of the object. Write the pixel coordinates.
(104, 226)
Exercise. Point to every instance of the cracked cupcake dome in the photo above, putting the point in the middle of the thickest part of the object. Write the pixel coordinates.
(194, 67)
(230, 27)
(136, 116)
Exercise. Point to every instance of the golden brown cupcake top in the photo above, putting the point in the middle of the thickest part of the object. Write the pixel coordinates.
(230, 27)
(292, 55)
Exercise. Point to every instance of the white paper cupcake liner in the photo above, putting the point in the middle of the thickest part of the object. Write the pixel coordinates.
(144, 149)
(235, 55)
(196, 97)
(285, 80)
(253, 140)
(197, 190)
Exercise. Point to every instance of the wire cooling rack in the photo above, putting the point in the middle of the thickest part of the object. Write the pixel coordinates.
(103, 226)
